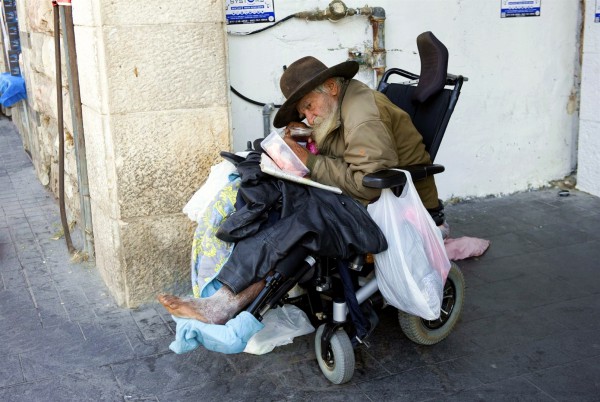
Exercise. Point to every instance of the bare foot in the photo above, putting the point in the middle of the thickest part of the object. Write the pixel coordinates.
(184, 308)
(216, 309)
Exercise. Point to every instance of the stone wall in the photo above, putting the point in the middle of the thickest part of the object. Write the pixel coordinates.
(154, 93)
(37, 117)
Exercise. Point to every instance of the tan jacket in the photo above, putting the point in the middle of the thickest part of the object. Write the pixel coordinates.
(374, 134)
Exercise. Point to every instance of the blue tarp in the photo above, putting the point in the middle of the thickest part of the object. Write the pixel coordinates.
(12, 89)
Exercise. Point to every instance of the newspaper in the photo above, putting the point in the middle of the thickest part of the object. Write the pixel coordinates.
(269, 167)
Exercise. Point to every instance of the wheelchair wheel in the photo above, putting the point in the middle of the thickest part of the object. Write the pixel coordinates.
(338, 367)
(426, 332)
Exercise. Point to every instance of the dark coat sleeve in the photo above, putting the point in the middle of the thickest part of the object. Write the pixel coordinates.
(324, 223)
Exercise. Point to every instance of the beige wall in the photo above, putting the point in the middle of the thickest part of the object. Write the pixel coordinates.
(155, 108)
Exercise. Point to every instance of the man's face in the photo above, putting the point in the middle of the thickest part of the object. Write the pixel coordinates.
(316, 106)
(321, 111)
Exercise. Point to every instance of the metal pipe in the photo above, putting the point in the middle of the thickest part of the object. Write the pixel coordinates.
(61, 132)
(340, 309)
(367, 290)
(378, 61)
(266, 113)
(78, 135)
(338, 10)
(335, 11)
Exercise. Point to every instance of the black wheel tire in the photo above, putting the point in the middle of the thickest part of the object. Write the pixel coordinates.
(425, 332)
(339, 365)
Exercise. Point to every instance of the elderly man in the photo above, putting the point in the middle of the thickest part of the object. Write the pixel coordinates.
(357, 131)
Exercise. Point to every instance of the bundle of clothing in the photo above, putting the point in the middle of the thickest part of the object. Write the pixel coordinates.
(251, 226)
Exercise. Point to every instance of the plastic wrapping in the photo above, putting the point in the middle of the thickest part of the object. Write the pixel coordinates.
(411, 273)
(217, 179)
(283, 156)
(282, 325)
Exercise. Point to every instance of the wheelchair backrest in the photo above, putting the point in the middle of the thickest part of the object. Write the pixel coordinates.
(430, 104)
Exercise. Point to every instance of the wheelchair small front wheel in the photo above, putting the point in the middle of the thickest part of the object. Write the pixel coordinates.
(338, 365)
(430, 332)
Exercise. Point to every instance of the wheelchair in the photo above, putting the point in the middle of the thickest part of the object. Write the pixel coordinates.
(318, 286)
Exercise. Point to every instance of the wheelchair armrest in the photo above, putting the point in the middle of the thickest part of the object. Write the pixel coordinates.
(421, 172)
(389, 178)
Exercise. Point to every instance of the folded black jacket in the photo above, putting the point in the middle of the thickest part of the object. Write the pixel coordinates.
(324, 223)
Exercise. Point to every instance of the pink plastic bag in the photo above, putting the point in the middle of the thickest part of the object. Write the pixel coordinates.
(411, 273)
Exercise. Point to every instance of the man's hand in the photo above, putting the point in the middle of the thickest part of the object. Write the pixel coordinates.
(298, 149)
(294, 124)
(288, 132)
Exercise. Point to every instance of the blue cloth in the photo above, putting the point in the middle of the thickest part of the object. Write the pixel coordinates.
(12, 89)
(229, 338)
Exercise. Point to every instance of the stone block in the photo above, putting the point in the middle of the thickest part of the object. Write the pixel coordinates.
(156, 256)
(43, 99)
(38, 16)
(94, 13)
(43, 95)
(87, 13)
(46, 50)
(108, 252)
(46, 163)
(92, 72)
(154, 12)
(100, 162)
(163, 157)
(166, 67)
(33, 57)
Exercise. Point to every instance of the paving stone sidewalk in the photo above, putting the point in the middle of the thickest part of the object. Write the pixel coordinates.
(528, 332)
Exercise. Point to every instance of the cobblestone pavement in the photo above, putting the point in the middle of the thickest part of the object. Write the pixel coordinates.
(529, 328)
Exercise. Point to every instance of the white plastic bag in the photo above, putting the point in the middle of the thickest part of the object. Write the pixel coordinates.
(411, 273)
(217, 179)
(282, 325)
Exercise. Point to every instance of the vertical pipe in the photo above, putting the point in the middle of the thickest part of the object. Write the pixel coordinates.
(266, 113)
(76, 113)
(377, 20)
(61, 132)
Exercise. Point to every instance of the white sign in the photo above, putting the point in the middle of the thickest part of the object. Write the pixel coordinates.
(249, 11)
(597, 15)
(520, 8)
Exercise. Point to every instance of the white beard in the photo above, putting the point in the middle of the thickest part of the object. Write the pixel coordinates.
(323, 125)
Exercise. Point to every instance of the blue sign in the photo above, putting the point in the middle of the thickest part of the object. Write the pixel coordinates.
(249, 11)
(520, 8)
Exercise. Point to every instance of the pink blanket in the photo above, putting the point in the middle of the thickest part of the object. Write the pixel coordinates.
(465, 247)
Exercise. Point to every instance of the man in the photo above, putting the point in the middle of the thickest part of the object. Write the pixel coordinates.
(357, 131)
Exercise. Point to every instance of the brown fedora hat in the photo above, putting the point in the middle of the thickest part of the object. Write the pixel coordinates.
(301, 77)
